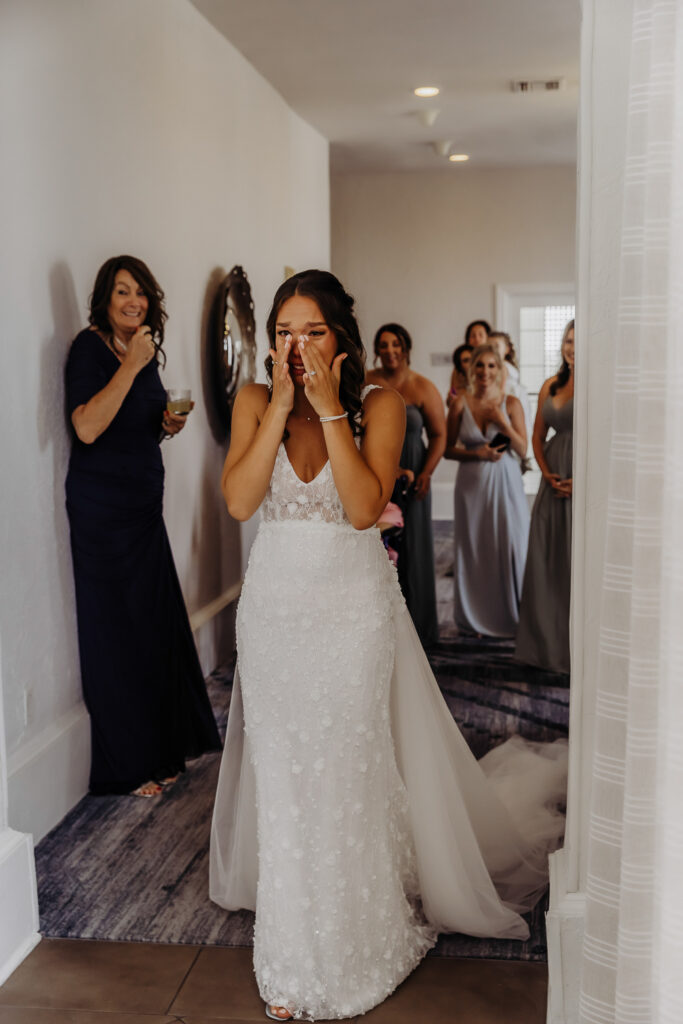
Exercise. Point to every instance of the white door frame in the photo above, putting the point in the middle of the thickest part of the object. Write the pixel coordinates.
(18, 891)
(506, 298)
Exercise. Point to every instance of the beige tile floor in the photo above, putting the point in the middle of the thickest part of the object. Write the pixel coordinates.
(76, 982)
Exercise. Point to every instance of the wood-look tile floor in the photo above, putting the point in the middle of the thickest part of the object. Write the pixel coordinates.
(66, 981)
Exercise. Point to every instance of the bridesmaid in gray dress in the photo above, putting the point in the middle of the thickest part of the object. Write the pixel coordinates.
(491, 510)
(543, 634)
(424, 412)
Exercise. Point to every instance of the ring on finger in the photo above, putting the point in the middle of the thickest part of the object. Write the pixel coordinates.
(312, 373)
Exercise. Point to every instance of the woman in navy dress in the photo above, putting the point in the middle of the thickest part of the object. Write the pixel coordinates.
(142, 682)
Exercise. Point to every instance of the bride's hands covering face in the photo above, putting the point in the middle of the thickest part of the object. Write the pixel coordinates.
(321, 382)
(283, 385)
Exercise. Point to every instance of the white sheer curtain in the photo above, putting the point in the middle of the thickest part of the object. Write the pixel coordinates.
(632, 970)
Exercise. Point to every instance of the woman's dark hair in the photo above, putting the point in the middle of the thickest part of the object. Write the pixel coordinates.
(457, 357)
(336, 306)
(565, 370)
(477, 323)
(104, 286)
(400, 332)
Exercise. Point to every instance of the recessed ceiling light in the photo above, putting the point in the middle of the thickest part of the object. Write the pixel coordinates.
(427, 90)
(458, 158)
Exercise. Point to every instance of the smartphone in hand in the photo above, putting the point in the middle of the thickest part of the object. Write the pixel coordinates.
(501, 442)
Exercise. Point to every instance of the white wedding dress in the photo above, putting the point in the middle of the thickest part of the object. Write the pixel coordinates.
(350, 813)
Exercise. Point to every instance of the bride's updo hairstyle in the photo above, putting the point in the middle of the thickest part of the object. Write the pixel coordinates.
(336, 306)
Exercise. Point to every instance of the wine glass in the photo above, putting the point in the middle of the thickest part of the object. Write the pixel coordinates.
(179, 401)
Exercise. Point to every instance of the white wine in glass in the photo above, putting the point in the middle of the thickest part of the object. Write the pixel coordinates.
(179, 401)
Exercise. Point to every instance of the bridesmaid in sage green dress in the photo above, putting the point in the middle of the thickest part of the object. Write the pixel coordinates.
(543, 632)
(424, 413)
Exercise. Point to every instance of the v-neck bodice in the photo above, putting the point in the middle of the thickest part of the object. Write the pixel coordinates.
(305, 482)
(290, 497)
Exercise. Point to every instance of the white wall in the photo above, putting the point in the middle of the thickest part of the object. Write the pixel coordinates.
(426, 249)
(127, 127)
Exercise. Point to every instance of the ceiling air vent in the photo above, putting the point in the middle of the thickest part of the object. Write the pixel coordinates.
(537, 85)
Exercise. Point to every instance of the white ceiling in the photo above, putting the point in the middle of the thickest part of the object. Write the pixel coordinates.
(349, 67)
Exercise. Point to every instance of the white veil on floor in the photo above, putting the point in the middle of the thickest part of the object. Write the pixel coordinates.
(482, 830)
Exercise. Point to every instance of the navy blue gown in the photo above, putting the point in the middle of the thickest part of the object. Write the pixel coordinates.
(142, 682)
(416, 572)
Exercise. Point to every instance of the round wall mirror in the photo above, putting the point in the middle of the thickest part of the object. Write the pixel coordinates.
(234, 341)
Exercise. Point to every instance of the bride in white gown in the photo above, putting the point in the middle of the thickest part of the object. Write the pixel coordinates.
(350, 813)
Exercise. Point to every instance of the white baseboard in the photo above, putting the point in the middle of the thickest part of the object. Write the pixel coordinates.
(214, 629)
(48, 775)
(205, 614)
(18, 899)
(564, 928)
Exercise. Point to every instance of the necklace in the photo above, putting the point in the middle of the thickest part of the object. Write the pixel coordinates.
(302, 416)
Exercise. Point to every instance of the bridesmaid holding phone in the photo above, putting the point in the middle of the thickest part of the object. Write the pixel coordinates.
(485, 428)
(142, 682)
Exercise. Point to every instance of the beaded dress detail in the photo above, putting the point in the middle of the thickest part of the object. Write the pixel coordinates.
(314, 743)
(289, 499)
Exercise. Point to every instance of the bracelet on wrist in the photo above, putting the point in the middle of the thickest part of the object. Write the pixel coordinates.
(329, 419)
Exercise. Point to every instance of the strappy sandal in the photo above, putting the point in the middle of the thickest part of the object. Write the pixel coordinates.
(155, 788)
(168, 781)
(274, 1016)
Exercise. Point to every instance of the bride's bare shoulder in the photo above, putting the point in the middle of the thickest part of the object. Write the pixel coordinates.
(383, 401)
(252, 398)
